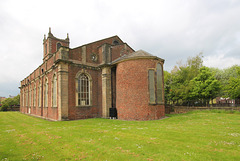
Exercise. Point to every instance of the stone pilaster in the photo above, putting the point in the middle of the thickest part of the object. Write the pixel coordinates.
(62, 91)
(107, 57)
(106, 91)
(84, 54)
(64, 53)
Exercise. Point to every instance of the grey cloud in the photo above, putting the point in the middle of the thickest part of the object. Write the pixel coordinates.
(172, 30)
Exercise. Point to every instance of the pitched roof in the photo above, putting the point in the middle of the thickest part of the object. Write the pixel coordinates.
(140, 54)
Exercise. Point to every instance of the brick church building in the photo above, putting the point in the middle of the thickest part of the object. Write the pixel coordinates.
(103, 79)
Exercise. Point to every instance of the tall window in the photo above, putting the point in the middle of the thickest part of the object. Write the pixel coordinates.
(39, 94)
(159, 83)
(26, 97)
(23, 98)
(151, 86)
(30, 96)
(46, 93)
(58, 45)
(83, 90)
(54, 91)
(155, 79)
(34, 95)
(46, 49)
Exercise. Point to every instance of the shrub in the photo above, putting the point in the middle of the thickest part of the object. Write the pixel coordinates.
(4, 107)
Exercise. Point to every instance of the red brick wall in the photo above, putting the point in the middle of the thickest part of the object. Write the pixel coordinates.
(93, 48)
(54, 44)
(132, 91)
(83, 112)
(76, 54)
(119, 50)
(50, 112)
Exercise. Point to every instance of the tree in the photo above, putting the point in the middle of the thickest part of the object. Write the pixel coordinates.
(10, 102)
(233, 86)
(224, 76)
(195, 63)
(178, 81)
(205, 86)
(16, 100)
(167, 86)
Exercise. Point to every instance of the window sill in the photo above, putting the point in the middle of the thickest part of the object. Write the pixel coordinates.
(154, 104)
(86, 106)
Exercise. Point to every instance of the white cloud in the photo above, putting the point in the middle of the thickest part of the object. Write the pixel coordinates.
(172, 30)
(220, 61)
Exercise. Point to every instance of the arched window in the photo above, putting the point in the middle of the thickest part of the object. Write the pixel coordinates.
(159, 83)
(155, 78)
(54, 91)
(115, 42)
(30, 96)
(58, 45)
(151, 86)
(46, 49)
(46, 93)
(34, 96)
(83, 94)
(27, 97)
(23, 98)
(39, 94)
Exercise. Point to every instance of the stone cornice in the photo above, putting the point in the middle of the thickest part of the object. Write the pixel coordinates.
(86, 66)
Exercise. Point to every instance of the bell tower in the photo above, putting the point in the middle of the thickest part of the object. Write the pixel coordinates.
(51, 44)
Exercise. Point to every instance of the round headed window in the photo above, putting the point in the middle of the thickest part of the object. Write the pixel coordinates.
(115, 42)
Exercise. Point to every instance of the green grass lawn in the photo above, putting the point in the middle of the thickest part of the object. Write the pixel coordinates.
(191, 136)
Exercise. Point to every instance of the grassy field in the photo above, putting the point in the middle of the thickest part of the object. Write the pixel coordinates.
(191, 136)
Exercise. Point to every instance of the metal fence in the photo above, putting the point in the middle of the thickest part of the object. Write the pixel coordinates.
(183, 109)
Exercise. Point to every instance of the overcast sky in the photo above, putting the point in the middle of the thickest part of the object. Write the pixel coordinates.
(171, 29)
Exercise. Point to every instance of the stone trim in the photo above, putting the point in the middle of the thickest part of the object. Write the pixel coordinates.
(62, 77)
(140, 57)
(106, 91)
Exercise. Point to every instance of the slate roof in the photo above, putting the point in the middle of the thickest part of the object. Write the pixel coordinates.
(140, 54)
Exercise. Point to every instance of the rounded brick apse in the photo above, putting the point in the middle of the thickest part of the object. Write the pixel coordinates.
(132, 90)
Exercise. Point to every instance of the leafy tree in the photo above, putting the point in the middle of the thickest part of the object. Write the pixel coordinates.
(10, 102)
(224, 77)
(191, 82)
(178, 81)
(195, 63)
(16, 100)
(233, 87)
(205, 86)
(167, 86)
